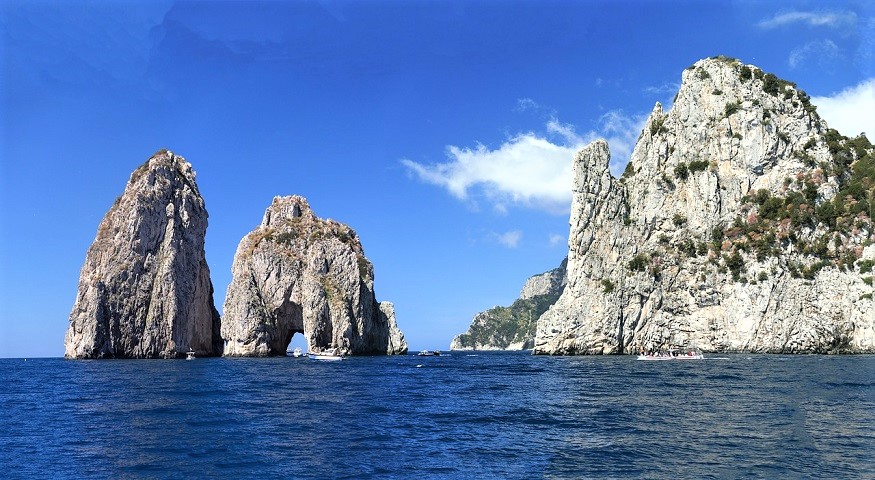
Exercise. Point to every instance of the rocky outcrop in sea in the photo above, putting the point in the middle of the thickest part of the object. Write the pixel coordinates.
(742, 223)
(513, 327)
(144, 290)
(296, 273)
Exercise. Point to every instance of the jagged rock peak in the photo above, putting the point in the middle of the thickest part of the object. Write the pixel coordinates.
(144, 290)
(297, 273)
(285, 209)
(740, 224)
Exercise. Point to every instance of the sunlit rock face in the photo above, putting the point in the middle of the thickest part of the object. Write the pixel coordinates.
(145, 290)
(296, 273)
(727, 232)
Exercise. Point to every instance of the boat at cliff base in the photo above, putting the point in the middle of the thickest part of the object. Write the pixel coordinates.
(328, 355)
(672, 355)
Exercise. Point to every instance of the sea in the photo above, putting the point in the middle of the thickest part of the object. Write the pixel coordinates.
(464, 415)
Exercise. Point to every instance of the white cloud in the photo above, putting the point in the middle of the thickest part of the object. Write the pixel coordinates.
(509, 239)
(821, 50)
(556, 239)
(527, 169)
(530, 169)
(813, 19)
(851, 110)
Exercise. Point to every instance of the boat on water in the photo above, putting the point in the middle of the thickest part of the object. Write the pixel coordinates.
(328, 355)
(297, 353)
(429, 353)
(672, 355)
(189, 355)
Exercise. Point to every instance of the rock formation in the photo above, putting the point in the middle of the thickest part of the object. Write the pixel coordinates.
(145, 290)
(513, 327)
(296, 273)
(741, 224)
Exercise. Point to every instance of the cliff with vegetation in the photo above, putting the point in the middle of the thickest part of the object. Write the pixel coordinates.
(742, 223)
(145, 290)
(513, 327)
(297, 273)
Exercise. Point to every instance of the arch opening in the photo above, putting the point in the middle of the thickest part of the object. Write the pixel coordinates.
(289, 321)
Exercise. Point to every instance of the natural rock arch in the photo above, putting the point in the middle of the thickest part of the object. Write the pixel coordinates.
(296, 273)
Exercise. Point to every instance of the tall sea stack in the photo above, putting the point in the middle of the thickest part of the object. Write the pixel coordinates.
(296, 273)
(145, 289)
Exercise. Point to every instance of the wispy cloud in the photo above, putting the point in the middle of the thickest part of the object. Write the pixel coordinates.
(523, 104)
(509, 239)
(621, 131)
(850, 111)
(556, 239)
(814, 19)
(821, 51)
(530, 169)
(667, 88)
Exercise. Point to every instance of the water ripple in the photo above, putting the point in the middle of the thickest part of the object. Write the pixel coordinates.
(493, 415)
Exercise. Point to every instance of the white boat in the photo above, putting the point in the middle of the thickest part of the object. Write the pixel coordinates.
(297, 353)
(329, 355)
(189, 355)
(672, 355)
(429, 353)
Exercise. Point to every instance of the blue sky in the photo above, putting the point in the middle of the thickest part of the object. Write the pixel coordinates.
(441, 131)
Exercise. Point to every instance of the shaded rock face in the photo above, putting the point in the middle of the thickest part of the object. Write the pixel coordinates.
(675, 253)
(145, 290)
(297, 273)
(513, 327)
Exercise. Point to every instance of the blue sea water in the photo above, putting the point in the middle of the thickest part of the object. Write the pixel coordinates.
(492, 415)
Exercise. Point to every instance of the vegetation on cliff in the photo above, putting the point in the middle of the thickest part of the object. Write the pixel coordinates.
(503, 326)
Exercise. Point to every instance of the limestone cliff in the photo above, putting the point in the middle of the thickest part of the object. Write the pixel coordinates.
(145, 290)
(513, 327)
(741, 224)
(296, 273)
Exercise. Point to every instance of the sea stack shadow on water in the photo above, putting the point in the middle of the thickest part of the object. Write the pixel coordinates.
(145, 290)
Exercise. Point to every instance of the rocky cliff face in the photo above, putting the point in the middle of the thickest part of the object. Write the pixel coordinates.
(297, 273)
(741, 224)
(513, 327)
(548, 283)
(145, 290)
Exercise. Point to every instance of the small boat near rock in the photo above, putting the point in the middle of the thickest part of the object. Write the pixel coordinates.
(297, 353)
(189, 355)
(672, 355)
(429, 353)
(328, 355)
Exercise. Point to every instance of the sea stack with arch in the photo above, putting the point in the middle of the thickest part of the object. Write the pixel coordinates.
(297, 273)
